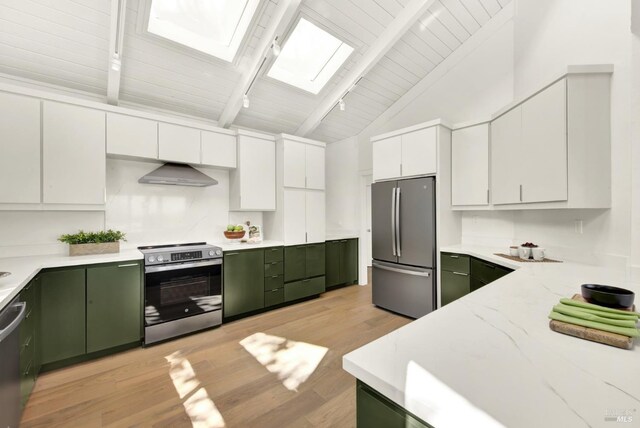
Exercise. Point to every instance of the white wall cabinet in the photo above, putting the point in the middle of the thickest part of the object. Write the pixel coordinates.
(315, 223)
(406, 155)
(470, 166)
(218, 149)
(74, 154)
(506, 135)
(132, 136)
(303, 162)
(19, 149)
(253, 182)
(178, 143)
(294, 216)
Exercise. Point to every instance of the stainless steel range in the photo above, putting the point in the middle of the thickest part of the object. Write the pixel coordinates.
(182, 289)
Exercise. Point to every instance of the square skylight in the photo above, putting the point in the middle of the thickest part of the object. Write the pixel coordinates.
(215, 27)
(309, 58)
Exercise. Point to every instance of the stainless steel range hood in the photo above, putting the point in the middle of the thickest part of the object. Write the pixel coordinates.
(176, 174)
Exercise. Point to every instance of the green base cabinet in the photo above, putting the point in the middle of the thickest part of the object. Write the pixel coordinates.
(29, 330)
(114, 308)
(304, 270)
(62, 314)
(454, 286)
(375, 411)
(305, 288)
(314, 260)
(341, 262)
(243, 284)
(295, 258)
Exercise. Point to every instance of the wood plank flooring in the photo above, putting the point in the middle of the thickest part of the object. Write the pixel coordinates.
(209, 379)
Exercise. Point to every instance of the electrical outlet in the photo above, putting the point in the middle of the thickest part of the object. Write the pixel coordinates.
(577, 227)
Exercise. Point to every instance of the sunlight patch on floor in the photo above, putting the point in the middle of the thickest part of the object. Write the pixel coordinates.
(199, 407)
(293, 362)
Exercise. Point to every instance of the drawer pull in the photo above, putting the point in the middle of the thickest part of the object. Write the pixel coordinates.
(231, 254)
(274, 249)
(273, 291)
(489, 265)
(275, 276)
(460, 273)
(454, 257)
(306, 280)
(274, 263)
(128, 265)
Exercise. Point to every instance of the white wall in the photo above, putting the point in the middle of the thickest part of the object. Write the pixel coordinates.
(635, 145)
(342, 181)
(148, 214)
(549, 35)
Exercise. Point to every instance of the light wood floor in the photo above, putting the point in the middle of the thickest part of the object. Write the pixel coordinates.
(211, 370)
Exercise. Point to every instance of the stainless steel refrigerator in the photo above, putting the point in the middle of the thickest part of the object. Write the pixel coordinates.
(404, 242)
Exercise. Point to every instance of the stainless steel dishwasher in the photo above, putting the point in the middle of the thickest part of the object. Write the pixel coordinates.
(10, 319)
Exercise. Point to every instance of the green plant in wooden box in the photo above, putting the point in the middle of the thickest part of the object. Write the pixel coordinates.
(85, 243)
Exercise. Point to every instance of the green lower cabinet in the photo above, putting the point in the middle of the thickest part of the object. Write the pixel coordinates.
(243, 288)
(62, 315)
(487, 272)
(476, 284)
(341, 262)
(273, 282)
(273, 254)
(114, 308)
(304, 288)
(349, 265)
(28, 341)
(273, 297)
(333, 260)
(294, 262)
(314, 260)
(454, 285)
(273, 268)
(375, 411)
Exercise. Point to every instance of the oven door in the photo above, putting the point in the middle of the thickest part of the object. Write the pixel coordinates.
(182, 290)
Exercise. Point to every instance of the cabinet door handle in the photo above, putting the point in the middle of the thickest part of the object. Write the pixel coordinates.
(489, 265)
(454, 257)
(231, 254)
(273, 291)
(275, 276)
(344, 240)
(487, 196)
(274, 249)
(460, 273)
(306, 280)
(521, 193)
(128, 265)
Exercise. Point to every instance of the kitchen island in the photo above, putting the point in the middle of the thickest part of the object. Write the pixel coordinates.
(489, 359)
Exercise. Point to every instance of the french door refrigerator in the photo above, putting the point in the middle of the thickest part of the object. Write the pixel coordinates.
(404, 230)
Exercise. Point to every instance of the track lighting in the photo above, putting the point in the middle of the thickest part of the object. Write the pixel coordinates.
(115, 62)
(342, 105)
(245, 101)
(275, 47)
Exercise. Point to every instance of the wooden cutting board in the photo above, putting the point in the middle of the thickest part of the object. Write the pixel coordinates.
(605, 337)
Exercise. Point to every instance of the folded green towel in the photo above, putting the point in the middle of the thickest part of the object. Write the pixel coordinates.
(572, 311)
(630, 316)
(596, 307)
(625, 331)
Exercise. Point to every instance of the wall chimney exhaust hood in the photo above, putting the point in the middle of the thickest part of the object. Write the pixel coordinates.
(175, 174)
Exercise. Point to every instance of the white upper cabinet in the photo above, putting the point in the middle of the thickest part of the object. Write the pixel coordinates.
(294, 216)
(178, 143)
(387, 158)
(218, 149)
(294, 164)
(470, 166)
(419, 152)
(506, 135)
(74, 158)
(303, 163)
(19, 149)
(315, 216)
(132, 136)
(253, 183)
(543, 174)
(409, 154)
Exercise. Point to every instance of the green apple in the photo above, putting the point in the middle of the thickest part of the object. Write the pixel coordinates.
(239, 228)
(230, 228)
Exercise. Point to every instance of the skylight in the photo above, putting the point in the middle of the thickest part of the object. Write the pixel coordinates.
(215, 27)
(309, 58)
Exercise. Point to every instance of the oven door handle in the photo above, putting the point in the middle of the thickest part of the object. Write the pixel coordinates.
(178, 266)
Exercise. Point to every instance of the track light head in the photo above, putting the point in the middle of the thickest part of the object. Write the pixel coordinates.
(275, 47)
(342, 105)
(245, 101)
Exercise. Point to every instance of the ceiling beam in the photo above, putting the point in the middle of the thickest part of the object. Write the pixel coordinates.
(116, 35)
(282, 17)
(408, 16)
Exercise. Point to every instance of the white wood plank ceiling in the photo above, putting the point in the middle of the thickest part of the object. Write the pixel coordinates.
(66, 43)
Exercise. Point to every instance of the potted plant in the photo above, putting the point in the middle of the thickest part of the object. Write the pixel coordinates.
(85, 243)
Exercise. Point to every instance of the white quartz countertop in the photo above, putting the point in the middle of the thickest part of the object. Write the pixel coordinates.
(23, 269)
(346, 234)
(489, 359)
(237, 245)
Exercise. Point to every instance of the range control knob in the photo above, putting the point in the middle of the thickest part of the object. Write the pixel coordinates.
(218, 252)
(212, 253)
(152, 259)
(160, 258)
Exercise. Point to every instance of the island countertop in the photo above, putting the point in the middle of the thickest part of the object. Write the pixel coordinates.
(489, 359)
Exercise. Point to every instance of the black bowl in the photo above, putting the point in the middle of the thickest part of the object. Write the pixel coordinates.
(606, 295)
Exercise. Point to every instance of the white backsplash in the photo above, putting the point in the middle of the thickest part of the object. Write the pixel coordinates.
(147, 213)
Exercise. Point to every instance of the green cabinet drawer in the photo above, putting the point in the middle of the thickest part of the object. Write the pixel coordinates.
(455, 262)
(294, 262)
(375, 411)
(62, 316)
(273, 268)
(315, 260)
(273, 282)
(114, 306)
(273, 254)
(487, 272)
(273, 297)
(454, 286)
(243, 285)
(305, 288)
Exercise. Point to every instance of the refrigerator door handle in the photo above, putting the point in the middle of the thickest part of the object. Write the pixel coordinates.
(404, 271)
(393, 221)
(397, 232)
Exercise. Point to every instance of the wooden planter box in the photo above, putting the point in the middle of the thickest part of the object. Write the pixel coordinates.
(87, 249)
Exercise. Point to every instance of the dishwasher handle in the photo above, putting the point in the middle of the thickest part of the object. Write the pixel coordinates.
(4, 333)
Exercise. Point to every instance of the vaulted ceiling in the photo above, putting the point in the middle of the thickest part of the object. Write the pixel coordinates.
(68, 43)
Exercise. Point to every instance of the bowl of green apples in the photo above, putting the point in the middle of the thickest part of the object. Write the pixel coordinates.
(234, 231)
